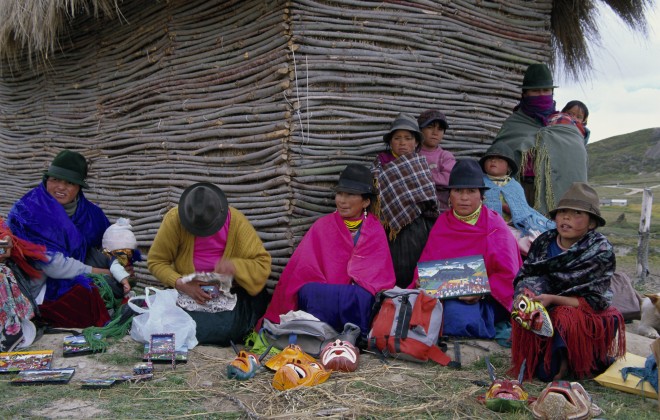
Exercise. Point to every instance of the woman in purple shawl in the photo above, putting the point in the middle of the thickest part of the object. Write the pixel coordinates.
(341, 263)
(56, 214)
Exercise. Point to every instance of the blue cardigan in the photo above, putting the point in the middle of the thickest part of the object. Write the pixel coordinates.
(523, 216)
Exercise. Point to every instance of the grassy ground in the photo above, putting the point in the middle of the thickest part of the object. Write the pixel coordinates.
(199, 389)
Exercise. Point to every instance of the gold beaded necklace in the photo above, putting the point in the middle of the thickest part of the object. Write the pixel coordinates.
(470, 218)
(353, 225)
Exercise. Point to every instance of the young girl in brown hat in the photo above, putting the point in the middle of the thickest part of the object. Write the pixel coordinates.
(568, 270)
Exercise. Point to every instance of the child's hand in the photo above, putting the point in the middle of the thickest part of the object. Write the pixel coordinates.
(545, 300)
(6, 250)
(470, 299)
(126, 285)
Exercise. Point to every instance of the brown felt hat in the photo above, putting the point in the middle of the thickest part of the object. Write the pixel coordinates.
(429, 116)
(581, 196)
(203, 209)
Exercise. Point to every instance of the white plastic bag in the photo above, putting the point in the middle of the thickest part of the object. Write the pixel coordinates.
(162, 317)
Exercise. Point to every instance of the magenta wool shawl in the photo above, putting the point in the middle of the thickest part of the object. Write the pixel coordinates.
(490, 237)
(327, 255)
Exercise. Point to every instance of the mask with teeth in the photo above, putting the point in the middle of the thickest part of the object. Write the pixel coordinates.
(340, 355)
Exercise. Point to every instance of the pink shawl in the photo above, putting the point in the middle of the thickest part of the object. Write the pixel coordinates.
(490, 237)
(327, 255)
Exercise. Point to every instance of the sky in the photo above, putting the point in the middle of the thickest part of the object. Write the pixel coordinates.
(623, 92)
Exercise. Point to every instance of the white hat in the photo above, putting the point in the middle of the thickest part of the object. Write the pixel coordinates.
(119, 236)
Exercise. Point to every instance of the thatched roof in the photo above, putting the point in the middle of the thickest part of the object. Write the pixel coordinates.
(33, 25)
(575, 30)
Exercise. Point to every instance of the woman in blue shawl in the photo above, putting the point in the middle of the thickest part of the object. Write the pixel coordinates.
(56, 214)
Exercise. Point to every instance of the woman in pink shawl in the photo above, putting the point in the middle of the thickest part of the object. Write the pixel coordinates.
(469, 229)
(341, 263)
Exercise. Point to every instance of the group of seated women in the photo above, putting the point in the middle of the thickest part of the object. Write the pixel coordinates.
(386, 221)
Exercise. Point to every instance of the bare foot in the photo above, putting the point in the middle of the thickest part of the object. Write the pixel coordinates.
(563, 370)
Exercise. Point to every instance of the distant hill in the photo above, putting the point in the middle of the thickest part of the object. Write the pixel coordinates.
(626, 155)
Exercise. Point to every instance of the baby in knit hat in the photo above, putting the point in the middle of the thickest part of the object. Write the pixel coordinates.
(120, 245)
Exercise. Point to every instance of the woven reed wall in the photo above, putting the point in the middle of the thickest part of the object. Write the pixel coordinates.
(269, 100)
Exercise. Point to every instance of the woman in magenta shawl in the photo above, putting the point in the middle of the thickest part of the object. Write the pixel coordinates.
(469, 229)
(341, 263)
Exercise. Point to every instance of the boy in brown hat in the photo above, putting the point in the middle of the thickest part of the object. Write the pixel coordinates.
(568, 270)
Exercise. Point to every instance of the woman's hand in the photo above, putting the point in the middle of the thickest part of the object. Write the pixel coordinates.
(470, 299)
(224, 266)
(7, 249)
(193, 289)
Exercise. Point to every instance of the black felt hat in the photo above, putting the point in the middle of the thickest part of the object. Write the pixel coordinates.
(503, 151)
(69, 166)
(203, 209)
(538, 76)
(404, 122)
(466, 174)
(355, 179)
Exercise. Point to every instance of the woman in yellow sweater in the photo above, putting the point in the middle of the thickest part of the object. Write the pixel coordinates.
(204, 234)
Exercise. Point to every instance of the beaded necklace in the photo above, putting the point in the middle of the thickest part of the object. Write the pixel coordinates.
(500, 181)
(470, 218)
(353, 225)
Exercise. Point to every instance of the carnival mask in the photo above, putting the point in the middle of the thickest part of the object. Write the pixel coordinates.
(564, 400)
(245, 365)
(505, 394)
(299, 372)
(290, 352)
(340, 355)
(531, 315)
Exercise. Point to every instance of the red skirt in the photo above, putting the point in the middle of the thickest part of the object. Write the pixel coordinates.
(80, 307)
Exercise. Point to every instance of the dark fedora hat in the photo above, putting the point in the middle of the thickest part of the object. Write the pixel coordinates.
(503, 151)
(431, 115)
(538, 76)
(580, 196)
(355, 179)
(69, 166)
(466, 174)
(404, 122)
(203, 209)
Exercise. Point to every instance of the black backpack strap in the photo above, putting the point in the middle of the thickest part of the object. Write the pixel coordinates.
(402, 322)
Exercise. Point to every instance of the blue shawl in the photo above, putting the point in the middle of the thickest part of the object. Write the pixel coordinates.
(39, 218)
